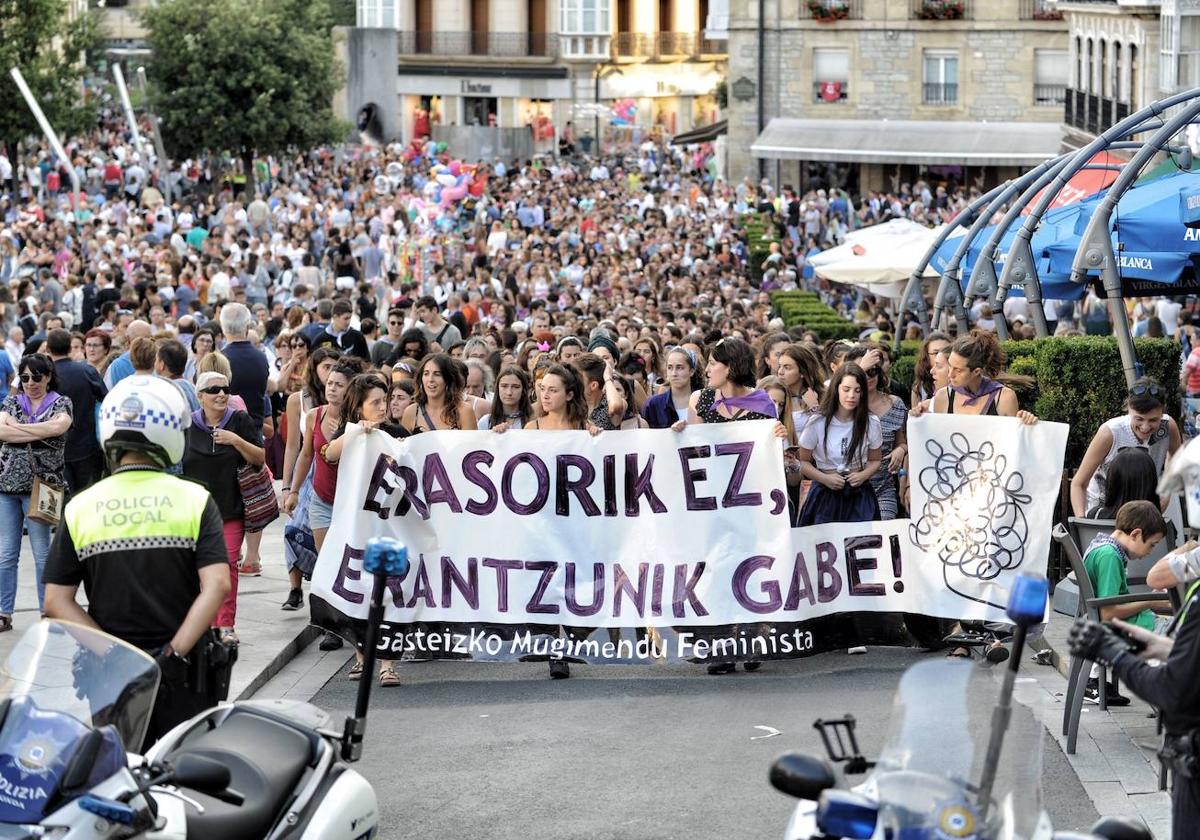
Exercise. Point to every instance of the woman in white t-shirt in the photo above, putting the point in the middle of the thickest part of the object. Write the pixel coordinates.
(840, 449)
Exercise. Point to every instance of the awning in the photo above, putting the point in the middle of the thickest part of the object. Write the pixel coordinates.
(953, 143)
(703, 134)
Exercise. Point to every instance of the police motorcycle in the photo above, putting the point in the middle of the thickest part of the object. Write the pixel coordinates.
(935, 779)
(73, 699)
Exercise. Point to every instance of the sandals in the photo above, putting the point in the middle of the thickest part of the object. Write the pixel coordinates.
(356, 670)
(248, 569)
(5, 623)
(388, 676)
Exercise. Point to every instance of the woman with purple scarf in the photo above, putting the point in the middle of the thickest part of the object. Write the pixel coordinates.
(977, 385)
(34, 420)
(221, 439)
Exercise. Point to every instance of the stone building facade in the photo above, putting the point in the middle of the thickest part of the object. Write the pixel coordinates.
(993, 62)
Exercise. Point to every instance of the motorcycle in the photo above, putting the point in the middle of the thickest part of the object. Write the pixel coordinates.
(935, 778)
(72, 698)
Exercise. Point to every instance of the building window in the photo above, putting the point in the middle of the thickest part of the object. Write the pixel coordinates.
(377, 14)
(585, 26)
(940, 78)
(1189, 53)
(831, 75)
(1050, 69)
(1117, 82)
(1080, 72)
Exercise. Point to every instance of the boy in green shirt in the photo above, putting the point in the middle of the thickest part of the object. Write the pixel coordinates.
(1139, 528)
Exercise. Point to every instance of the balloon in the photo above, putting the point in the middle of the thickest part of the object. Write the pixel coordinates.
(455, 167)
(446, 179)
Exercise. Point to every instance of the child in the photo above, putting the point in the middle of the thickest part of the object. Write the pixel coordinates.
(1139, 528)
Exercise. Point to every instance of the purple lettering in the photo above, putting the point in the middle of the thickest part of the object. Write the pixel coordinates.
(564, 486)
(826, 558)
(801, 585)
(468, 587)
(410, 499)
(422, 591)
(855, 564)
(383, 465)
(623, 588)
(438, 489)
(691, 476)
(656, 591)
(685, 590)
(770, 588)
(543, 484)
(547, 568)
(638, 484)
(732, 498)
(573, 606)
(471, 471)
(345, 573)
(610, 485)
(502, 567)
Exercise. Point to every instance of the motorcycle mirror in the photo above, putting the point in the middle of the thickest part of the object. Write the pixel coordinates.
(200, 773)
(1117, 828)
(801, 776)
(843, 813)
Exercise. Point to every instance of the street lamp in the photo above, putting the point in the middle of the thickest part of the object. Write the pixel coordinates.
(602, 72)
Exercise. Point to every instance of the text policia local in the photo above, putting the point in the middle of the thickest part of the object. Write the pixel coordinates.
(618, 590)
(396, 489)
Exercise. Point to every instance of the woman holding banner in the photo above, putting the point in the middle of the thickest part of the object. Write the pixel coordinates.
(512, 404)
(977, 383)
(439, 405)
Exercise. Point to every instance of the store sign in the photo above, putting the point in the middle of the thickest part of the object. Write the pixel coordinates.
(743, 89)
(475, 87)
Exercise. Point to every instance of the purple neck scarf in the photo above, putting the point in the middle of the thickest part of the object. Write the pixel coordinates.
(47, 404)
(198, 418)
(758, 401)
(987, 387)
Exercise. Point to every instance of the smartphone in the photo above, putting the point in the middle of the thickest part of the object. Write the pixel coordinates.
(1135, 645)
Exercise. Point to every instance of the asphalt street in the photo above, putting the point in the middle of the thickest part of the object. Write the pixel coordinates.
(465, 750)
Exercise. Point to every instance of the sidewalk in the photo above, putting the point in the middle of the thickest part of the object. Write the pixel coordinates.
(1115, 752)
(270, 637)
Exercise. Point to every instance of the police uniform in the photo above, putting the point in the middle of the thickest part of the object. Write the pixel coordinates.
(1174, 689)
(136, 541)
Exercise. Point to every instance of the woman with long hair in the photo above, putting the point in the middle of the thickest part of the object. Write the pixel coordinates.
(840, 449)
(1144, 425)
(1132, 476)
(401, 395)
(923, 385)
(297, 535)
(684, 378)
(512, 404)
(439, 405)
(893, 420)
(977, 382)
(801, 373)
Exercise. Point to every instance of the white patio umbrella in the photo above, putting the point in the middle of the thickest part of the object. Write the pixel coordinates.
(879, 258)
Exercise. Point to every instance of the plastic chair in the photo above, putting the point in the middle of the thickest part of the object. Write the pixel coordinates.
(1089, 606)
(1083, 531)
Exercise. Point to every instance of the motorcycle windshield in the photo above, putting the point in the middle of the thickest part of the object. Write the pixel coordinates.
(60, 682)
(931, 769)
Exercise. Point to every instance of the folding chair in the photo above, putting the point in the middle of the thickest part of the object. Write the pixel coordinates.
(1089, 606)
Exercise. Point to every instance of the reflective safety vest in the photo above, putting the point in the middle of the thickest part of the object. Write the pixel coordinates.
(136, 510)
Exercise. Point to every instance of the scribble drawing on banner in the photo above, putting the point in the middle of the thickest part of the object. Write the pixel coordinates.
(974, 518)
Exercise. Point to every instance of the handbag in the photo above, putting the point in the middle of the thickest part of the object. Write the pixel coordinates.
(45, 497)
(258, 497)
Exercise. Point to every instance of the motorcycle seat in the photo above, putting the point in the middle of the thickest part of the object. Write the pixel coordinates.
(266, 758)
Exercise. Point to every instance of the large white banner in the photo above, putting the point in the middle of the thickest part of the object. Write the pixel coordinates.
(690, 530)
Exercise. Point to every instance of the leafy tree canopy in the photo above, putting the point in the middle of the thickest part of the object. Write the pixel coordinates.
(242, 76)
(38, 37)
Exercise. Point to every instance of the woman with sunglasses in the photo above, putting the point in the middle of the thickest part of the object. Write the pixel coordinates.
(34, 420)
(1144, 425)
(221, 439)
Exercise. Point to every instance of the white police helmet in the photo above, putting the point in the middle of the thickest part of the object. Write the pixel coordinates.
(145, 414)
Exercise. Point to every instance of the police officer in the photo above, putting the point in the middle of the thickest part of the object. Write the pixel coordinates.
(1173, 687)
(146, 545)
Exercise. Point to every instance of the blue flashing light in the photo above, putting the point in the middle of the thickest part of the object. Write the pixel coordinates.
(1027, 600)
(386, 556)
(109, 809)
(842, 813)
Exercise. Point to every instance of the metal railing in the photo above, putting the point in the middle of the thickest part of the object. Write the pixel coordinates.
(823, 93)
(942, 10)
(1091, 113)
(659, 44)
(500, 44)
(1049, 94)
(1039, 10)
(831, 10)
(939, 93)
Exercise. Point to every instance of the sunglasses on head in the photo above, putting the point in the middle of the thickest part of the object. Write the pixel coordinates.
(215, 389)
(1155, 391)
(32, 377)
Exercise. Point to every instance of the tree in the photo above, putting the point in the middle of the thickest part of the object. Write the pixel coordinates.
(40, 38)
(247, 77)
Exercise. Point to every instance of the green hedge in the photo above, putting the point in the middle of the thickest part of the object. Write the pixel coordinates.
(760, 233)
(805, 309)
